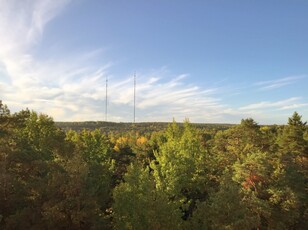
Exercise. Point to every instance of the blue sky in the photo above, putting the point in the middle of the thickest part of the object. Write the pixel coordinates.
(209, 61)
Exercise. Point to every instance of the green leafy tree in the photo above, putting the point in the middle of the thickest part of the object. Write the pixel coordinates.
(180, 168)
(33, 141)
(140, 204)
(235, 143)
(72, 204)
(227, 208)
(82, 189)
(6, 147)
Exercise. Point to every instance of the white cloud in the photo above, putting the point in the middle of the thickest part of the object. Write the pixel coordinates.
(268, 104)
(23, 22)
(294, 106)
(170, 98)
(73, 88)
(274, 84)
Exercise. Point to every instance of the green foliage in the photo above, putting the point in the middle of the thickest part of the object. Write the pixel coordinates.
(226, 209)
(86, 183)
(26, 163)
(180, 167)
(139, 204)
(120, 128)
(289, 193)
(184, 176)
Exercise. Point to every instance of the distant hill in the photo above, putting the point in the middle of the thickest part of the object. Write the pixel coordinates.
(126, 127)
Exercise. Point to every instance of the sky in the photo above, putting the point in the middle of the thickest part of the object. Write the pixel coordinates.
(211, 61)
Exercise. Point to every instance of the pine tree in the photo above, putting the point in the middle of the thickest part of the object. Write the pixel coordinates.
(289, 193)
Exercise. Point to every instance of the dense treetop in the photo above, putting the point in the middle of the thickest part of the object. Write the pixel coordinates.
(244, 176)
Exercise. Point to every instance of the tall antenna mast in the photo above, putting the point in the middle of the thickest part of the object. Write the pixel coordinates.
(135, 97)
(106, 108)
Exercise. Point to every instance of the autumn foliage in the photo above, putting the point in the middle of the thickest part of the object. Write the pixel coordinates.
(245, 177)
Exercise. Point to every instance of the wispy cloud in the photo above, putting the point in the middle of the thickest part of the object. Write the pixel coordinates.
(23, 22)
(294, 106)
(282, 104)
(73, 88)
(275, 84)
(166, 96)
(58, 86)
(70, 88)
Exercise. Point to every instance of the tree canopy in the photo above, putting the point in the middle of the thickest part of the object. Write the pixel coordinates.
(245, 176)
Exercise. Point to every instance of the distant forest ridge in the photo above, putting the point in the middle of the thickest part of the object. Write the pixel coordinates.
(142, 127)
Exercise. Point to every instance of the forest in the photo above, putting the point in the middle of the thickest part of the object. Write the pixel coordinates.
(121, 127)
(243, 176)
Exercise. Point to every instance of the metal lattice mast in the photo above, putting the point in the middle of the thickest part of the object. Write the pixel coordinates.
(106, 105)
(135, 97)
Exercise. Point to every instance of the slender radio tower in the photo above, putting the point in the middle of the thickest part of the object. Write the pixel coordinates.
(106, 105)
(135, 97)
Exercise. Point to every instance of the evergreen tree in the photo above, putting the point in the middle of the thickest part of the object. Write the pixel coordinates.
(289, 193)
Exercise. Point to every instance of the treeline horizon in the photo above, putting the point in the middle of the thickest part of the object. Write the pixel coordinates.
(142, 127)
(170, 176)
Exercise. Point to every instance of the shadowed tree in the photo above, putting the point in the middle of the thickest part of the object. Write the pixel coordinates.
(140, 204)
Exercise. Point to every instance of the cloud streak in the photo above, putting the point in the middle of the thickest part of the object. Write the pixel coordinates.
(157, 95)
(290, 103)
(275, 84)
